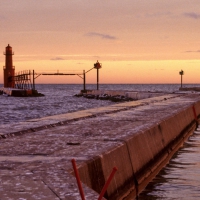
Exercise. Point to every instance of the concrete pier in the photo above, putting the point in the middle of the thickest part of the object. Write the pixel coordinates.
(137, 137)
(19, 92)
(135, 95)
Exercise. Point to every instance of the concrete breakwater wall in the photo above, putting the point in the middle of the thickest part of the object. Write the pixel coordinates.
(19, 92)
(142, 151)
(189, 89)
(134, 95)
(137, 137)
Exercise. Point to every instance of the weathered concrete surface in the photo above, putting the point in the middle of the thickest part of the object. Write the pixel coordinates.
(130, 136)
(189, 89)
(136, 95)
(19, 92)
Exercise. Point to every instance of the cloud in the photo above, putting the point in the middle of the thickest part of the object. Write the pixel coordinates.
(102, 36)
(192, 15)
(57, 58)
(198, 51)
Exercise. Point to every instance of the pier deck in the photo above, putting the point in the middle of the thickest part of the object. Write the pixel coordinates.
(35, 161)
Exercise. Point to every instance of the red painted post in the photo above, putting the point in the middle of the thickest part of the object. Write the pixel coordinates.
(107, 183)
(195, 115)
(78, 179)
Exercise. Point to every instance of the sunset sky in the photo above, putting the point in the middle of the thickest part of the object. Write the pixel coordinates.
(136, 41)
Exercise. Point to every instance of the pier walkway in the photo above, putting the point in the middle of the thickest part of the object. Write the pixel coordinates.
(35, 161)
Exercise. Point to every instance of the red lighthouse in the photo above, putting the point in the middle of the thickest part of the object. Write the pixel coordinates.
(9, 69)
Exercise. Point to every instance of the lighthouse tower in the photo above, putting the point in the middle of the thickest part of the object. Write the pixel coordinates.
(9, 69)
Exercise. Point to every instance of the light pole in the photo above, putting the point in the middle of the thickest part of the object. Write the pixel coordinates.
(181, 73)
(97, 66)
(84, 88)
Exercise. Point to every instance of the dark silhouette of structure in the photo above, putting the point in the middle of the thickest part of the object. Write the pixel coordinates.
(19, 84)
(23, 83)
(97, 66)
(181, 73)
(9, 69)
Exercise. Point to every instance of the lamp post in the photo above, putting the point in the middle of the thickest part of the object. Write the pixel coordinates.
(84, 88)
(181, 73)
(97, 66)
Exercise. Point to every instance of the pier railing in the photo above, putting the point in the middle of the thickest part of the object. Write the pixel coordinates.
(23, 80)
(26, 79)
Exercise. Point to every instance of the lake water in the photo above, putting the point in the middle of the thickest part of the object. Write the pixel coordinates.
(60, 99)
(180, 179)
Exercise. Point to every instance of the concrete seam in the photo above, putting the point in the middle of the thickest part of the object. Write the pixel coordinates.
(51, 189)
(134, 177)
(96, 170)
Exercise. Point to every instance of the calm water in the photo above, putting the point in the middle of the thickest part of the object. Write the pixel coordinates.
(180, 179)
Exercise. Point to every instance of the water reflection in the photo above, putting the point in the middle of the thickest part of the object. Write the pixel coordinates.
(180, 179)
